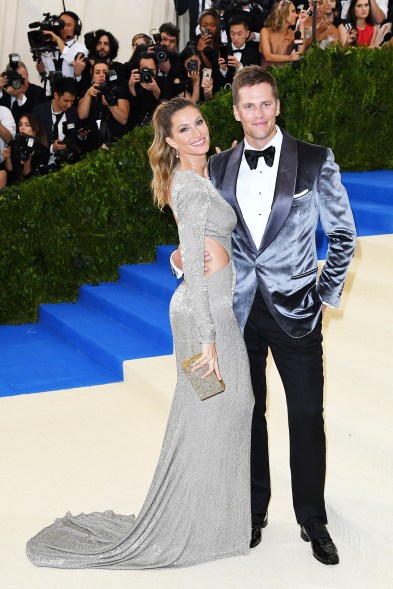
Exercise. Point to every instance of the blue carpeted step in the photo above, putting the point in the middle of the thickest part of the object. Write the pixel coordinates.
(164, 253)
(155, 280)
(101, 338)
(131, 308)
(34, 360)
(369, 187)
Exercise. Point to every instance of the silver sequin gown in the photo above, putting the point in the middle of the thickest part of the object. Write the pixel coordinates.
(198, 505)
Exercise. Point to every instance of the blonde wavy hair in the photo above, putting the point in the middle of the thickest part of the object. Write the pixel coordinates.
(278, 15)
(162, 157)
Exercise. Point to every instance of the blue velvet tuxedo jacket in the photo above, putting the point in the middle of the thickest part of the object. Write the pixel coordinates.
(285, 265)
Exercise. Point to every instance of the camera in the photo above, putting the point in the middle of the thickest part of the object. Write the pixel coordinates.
(147, 75)
(14, 79)
(40, 42)
(23, 147)
(85, 59)
(160, 51)
(108, 88)
(192, 65)
(73, 153)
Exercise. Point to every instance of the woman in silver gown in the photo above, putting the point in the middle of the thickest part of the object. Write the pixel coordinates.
(198, 505)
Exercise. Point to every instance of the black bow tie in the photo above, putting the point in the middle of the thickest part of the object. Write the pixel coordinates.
(252, 156)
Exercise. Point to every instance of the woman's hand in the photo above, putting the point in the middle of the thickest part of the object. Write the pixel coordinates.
(209, 359)
(6, 152)
(93, 91)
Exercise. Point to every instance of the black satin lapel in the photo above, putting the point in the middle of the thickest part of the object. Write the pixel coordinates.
(284, 191)
(229, 193)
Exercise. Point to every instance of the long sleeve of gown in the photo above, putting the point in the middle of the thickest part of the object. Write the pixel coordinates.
(190, 203)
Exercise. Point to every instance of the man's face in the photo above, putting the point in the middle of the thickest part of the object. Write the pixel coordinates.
(22, 71)
(169, 41)
(239, 35)
(63, 102)
(67, 32)
(144, 62)
(257, 110)
(103, 47)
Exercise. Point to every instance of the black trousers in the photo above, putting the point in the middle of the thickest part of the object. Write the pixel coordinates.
(300, 364)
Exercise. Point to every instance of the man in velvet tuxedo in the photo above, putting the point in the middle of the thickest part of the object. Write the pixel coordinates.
(279, 188)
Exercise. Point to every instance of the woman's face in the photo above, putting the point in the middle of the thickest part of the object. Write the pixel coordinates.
(291, 18)
(362, 9)
(25, 128)
(330, 6)
(190, 135)
(210, 23)
(192, 58)
(99, 72)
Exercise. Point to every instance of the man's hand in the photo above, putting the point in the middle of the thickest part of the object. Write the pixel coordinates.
(234, 143)
(3, 82)
(233, 62)
(177, 259)
(58, 145)
(79, 65)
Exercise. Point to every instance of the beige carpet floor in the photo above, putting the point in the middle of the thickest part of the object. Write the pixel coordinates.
(96, 448)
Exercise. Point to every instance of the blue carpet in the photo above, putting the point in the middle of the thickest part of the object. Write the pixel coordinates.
(85, 343)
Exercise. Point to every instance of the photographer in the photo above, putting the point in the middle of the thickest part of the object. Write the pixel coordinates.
(104, 106)
(62, 59)
(7, 132)
(103, 46)
(239, 52)
(57, 112)
(27, 151)
(254, 12)
(18, 94)
(144, 86)
(187, 81)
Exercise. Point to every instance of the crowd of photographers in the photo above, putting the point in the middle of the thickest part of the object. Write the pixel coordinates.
(87, 99)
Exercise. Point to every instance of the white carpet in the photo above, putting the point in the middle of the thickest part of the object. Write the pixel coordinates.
(96, 448)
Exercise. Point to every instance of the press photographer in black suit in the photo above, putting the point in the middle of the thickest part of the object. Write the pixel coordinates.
(102, 46)
(22, 157)
(57, 112)
(104, 107)
(146, 88)
(20, 100)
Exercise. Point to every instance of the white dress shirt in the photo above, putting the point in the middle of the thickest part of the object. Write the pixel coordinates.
(255, 189)
(7, 120)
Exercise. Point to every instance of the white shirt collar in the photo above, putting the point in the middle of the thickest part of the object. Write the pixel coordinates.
(276, 141)
(238, 48)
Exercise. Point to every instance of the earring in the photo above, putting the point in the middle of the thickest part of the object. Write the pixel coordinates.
(177, 154)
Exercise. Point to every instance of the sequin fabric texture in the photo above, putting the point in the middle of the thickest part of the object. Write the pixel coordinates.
(198, 505)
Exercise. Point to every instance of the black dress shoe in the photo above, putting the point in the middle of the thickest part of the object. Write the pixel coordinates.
(256, 532)
(323, 547)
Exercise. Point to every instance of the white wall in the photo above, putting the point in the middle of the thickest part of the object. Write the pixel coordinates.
(123, 18)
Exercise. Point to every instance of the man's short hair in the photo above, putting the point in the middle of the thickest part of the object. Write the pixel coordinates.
(146, 55)
(238, 19)
(64, 85)
(251, 75)
(170, 29)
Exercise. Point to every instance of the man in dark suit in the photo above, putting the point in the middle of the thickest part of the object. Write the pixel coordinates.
(240, 51)
(20, 100)
(280, 187)
(57, 112)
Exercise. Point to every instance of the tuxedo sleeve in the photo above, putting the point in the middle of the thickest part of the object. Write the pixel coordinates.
(338, 224)
(190, 202)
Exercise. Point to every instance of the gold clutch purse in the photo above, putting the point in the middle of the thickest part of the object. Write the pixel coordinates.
(205, 387)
